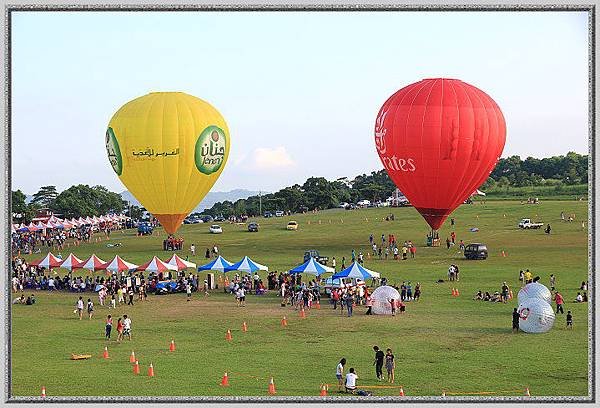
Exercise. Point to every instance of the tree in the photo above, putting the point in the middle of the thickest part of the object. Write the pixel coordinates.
(21, 212)
(45, 196)
(83, 200)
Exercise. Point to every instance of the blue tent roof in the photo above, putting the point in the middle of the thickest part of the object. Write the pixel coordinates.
(246, 265)
(219, 264)
(311, 266)
(356, 271)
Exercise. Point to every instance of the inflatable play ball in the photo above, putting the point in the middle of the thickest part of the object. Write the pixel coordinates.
(534, 290)
(536, 316)
(381, 300)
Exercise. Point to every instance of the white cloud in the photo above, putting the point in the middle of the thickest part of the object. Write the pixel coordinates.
(266, 158)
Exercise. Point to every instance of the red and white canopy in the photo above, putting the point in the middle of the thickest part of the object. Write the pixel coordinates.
(49, 261)
(118, 264)
(71, 262)
(156, 265)
(93, 263)
(32, 227)
(181, 264)
(40, 225)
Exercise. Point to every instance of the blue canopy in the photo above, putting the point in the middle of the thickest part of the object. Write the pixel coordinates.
(311, 266)
(356, 271)
(219, 264)
(246, 265)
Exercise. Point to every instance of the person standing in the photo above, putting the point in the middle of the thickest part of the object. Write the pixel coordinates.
(548, 229)
(119, 329)
(552, 282)
(392, 303)
(369, 304)
(193, 249)
(569, 320)
(504, 292)
(559, 303)
(79, 307)
(188, 291)
(108, 327)
(339, 373)
(343, 262)
(349, 303)
(130, 293)
(515, 320)
(390, 365)
(413, 251)
(378, 362)
(207, 253)
(90, 308)
(333, 263)
(120, 295)
(127, 327)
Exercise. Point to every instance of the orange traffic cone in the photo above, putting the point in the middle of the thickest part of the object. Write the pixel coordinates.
(457, 293)
(151, 370)
(527, 394)
(136, 368)
(132, 357)
(244, 327)
(43, 391)
(401, 392)
(453, 292)
(323, 392)
(172, 345)
(302, 314)
(105, 354)
(228, 336)
(225, 380)
(318, 305)
(271, 387)
(284, 322)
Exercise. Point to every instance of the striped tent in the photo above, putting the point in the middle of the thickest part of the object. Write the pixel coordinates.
(156, 265)
(93, 263)
(219, 264)
(71, 262)
(312, 267)
(246, 265)
(118, 264)
(181, 264)
(49, 261)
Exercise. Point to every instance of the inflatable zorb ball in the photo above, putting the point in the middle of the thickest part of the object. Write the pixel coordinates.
(381, 300)
(534, 290)
(536, 316)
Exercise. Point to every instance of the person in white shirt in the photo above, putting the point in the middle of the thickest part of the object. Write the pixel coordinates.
(579, 298)
(333, 263)
(241, 295)
(339, 373)
(351, 378)
(79, 306)
(126, 327)
(193, 249)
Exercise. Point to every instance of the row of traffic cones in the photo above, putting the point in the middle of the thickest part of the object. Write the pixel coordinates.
(455, 292)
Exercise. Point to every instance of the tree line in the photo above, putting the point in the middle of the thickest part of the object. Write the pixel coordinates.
(316, 192)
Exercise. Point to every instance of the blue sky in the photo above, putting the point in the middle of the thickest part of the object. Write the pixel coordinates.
(300, 91)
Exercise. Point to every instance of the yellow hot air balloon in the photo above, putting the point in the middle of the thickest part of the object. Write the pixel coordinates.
(168, 148)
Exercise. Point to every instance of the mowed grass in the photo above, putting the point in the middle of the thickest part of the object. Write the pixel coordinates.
(442, 343)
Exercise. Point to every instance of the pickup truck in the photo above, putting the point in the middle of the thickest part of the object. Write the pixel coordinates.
(313, 253)
(526, 223)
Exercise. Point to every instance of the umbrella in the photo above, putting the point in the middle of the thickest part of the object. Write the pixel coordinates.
(156, 265)
(181, 264)
(246, 265)
(219, 264)
(356, 271)
(71, 262)
(49, 261)
(118, 264)
(93, 263)
(313, 267)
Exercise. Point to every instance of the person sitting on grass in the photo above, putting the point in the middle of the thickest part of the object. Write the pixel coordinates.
(351, 378)
(478, 296)
(578, 298)
(401, 306)
(487, 297)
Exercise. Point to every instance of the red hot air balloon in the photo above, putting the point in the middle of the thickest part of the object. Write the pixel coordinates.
(439, 140)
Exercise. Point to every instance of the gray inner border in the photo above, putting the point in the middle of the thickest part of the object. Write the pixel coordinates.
(588, 7)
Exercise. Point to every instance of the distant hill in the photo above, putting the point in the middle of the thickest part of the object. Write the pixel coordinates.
(210, 199)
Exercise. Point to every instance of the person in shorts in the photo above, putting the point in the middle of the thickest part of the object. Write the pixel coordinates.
(242, 296)
(90, 308)
(188, 290)
(390, 365)
(515, 320)
(393, 304)
(119, 329)
(569, 319)
(79, 307)
(339, 373)
(126, 327)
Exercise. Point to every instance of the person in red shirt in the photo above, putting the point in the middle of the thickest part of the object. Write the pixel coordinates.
(559, 303)
(413, 251)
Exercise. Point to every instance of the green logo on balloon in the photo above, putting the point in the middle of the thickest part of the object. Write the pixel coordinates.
(113, 151)
(209, 153)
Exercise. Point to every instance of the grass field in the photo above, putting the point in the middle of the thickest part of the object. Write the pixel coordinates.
(442, 343)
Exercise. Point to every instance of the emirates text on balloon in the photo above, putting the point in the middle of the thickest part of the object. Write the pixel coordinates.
(395, 163)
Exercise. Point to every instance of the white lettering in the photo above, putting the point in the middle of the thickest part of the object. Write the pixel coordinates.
(398, 164)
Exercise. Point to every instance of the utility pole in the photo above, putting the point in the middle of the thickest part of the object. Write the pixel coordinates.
(259, 203)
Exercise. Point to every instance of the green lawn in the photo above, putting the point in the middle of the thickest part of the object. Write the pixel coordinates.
(442, 343)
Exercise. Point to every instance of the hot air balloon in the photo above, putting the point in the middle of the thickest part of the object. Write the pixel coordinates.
(168, 149)
(439, 140)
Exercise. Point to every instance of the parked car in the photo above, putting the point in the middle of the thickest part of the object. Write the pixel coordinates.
(253, 227)
(292, 226)
(364, 203)
(343, 205)
(476, 251)
(279, 213)
(268, 214)
(526, 223)
(219, 218)
(207, 218)
(215, 229)
(313, 253)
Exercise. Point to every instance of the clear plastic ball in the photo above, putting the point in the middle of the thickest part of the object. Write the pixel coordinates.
(381, 300)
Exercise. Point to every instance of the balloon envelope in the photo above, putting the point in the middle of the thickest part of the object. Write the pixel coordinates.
(439, 140)
(168, 148)
(536, 316)
(381, 300)
(535, 290)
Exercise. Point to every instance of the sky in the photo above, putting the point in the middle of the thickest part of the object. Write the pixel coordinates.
(300, 91)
